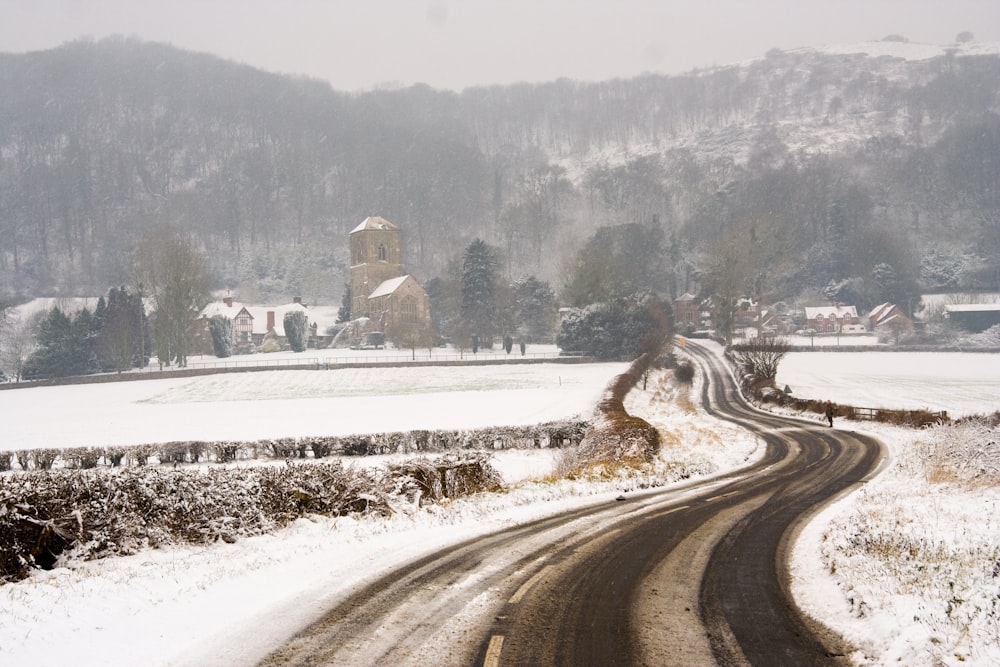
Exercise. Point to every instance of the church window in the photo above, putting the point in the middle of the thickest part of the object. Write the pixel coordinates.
(408, 309)
(383, 254)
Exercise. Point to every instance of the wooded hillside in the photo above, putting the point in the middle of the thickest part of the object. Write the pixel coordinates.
(813, 170)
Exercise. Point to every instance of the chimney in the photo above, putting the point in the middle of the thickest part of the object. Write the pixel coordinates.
(270, 320)
(228, 301)
(297, 299)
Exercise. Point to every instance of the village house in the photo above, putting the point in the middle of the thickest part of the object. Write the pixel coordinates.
(253, 324)
(888, 316)
(687, 312)
(834, 319)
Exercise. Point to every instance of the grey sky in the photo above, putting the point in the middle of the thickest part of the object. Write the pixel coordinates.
(359, 44)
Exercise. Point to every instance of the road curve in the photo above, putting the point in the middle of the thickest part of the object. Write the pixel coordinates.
(692, 575)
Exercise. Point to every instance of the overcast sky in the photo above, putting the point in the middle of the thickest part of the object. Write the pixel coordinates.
(360, 44)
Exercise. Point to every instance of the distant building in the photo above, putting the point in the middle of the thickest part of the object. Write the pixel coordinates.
(888, 315)
(973, 317)
(687, 313)
(380, 288)
(833, 319)
(252, 324)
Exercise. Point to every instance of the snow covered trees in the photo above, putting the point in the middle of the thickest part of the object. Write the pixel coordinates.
(64, 346)
(621, 329)
(760, 356)
(618, 262)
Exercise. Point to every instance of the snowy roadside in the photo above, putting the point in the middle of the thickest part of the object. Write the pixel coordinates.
(908, 567)
(230, 604)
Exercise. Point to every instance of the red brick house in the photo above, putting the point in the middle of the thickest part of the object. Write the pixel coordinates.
(687, 311)
(833, 319)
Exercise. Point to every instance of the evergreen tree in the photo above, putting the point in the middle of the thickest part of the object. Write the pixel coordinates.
(479, 307)
(221, 329)
(534, 305)
(121, 330)
(344, 314)
(64, 346)
(296, 328)
(622, 329)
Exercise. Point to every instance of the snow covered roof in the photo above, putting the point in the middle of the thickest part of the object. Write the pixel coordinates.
(388, 287)
(972, 307)
(258, 313)
(374, 222)
(883, 314)
(839, 312)
(687, 296)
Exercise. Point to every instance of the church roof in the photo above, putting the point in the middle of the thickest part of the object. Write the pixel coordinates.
(388, 287)
(374, 222)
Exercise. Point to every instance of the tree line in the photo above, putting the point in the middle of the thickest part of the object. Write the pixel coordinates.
(716, 181)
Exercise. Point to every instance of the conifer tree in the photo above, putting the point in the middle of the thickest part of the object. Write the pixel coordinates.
(479, 291)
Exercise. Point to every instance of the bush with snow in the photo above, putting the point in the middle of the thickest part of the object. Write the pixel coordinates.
(919, 550)
(100, 513)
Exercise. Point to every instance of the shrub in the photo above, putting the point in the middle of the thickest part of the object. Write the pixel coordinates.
(296, 330)
(221, 329)
(684, 372)
(619, 330)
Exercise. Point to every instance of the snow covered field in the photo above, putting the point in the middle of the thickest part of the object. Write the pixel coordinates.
(905, 567)
(229, 604)
(271, 404)
(962, 383)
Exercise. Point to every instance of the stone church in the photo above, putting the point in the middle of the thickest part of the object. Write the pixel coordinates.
(380, 288)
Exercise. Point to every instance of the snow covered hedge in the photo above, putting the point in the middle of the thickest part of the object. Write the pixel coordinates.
(551, 434)
(100, 513)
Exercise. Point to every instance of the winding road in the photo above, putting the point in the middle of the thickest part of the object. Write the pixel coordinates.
(691, 575)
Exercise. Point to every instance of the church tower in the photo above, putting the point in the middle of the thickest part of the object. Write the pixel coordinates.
(376, 256)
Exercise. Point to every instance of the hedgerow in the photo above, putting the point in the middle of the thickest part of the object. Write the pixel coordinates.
(96, 513)
(551, 434)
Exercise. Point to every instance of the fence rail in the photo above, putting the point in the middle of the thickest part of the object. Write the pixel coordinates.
(881, 414)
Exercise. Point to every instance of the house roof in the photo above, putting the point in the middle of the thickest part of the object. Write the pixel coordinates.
(687, 296)
(388, 287)
(839, 312)
(374, 222)
(972, 308)
(258, 313)
(883, 313)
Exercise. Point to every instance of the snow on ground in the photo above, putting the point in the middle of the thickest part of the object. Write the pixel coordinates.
(229, 604)
(961, 383)
(906, 568)
(271, 404)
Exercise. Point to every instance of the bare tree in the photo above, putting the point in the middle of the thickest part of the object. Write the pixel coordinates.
(18, 343)
(413, 335)
(179, 286)
(761, 355)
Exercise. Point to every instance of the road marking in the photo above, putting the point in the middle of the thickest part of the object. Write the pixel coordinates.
(528, 584)
(493, 651)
